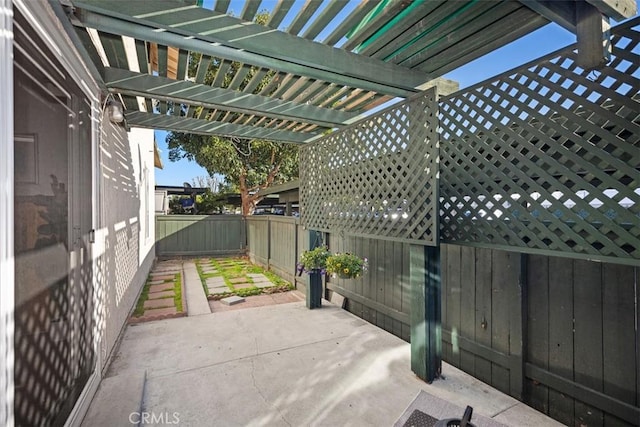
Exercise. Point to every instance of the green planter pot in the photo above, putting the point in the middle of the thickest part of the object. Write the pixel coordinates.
(314, 290)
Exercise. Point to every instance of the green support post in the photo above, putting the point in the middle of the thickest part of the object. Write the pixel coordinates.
(314, 290)
(426, 326)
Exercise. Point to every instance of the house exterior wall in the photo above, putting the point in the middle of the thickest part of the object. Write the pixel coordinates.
(125, 242)
(119, 168)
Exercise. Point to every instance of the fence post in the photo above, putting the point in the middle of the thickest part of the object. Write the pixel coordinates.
(426, 325)
(268, 242)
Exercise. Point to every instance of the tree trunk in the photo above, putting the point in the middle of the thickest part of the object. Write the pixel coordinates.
(246, 203)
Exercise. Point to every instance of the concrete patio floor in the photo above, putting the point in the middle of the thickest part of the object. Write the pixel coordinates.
(279, 365)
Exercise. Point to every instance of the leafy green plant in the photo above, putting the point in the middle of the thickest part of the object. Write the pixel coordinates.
(314, 259)
(346, 265)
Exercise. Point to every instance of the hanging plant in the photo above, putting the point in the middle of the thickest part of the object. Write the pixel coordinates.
(314, 259)
(346, 265)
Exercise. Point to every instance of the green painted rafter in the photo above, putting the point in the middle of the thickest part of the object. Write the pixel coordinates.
(237, 40)
(194, 94)
(209, 127)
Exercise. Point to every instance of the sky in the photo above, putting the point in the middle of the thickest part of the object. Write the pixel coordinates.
(539, 43)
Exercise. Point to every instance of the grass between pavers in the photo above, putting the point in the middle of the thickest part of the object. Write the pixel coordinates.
(233, 268)
(144, 295)
(177, 293)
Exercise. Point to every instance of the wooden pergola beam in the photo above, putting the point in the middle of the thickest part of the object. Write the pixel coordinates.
(616, 9)
(195, 94)
(589, 21)
(201, 30)
(562, 13)
(211, 127)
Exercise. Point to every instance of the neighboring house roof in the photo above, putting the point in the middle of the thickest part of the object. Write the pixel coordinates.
(181, 191)
(287, 192)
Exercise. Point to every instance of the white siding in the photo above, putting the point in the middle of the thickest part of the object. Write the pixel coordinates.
(125, 241)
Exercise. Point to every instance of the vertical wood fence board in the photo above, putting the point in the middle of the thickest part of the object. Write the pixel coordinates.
(368, 251)
(561, 343)
(389, 284)
(406, 290)
(450, 257)
(398, 277)
(303, 243)
(538, 326)
(517, 323)
(446, 344)
(282, 246)
(618, 316)
(483, 310)
(467, 304)
(504, 280)
(381, 283)
(588, 335)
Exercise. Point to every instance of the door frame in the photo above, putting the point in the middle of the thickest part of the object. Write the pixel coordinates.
(46, 18)
(7, 267)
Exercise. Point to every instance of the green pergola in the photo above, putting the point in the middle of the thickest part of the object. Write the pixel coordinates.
(335, 60)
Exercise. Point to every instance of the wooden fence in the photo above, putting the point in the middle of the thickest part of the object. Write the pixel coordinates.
(383, 295)
(273, 242)
(194, 235)
(554, 332)
(558, 333)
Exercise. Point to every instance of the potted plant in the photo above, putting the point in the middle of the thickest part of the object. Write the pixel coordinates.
(314, 259)
(346, 265)
(314, 262)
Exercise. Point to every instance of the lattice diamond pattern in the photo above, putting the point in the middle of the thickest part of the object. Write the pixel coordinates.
(547, 157)
(378, 177)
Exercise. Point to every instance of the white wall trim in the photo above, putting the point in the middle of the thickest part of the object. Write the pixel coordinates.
(46, 24)
(7, 264)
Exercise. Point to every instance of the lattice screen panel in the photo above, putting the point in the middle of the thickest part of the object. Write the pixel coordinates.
(547, 157)
(376, 178)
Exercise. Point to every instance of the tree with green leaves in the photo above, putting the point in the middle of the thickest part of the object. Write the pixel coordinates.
(249, 165)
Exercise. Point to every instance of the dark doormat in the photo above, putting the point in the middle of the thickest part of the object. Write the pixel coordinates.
(420, 419)
(426, 405)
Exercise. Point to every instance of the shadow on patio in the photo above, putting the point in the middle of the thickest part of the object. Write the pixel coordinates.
(278, 365)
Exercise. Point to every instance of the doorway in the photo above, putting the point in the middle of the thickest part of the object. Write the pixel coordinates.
(54, 342)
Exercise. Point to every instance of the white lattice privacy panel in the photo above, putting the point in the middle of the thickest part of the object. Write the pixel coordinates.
(547, 157)
(378, 177)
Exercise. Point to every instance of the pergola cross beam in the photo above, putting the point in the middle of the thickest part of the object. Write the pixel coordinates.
(195, 94)
(211, 127)
(216, 34)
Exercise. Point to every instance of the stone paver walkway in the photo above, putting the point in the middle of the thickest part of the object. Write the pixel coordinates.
(217, 286)
(258, 301)
(160, 303)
